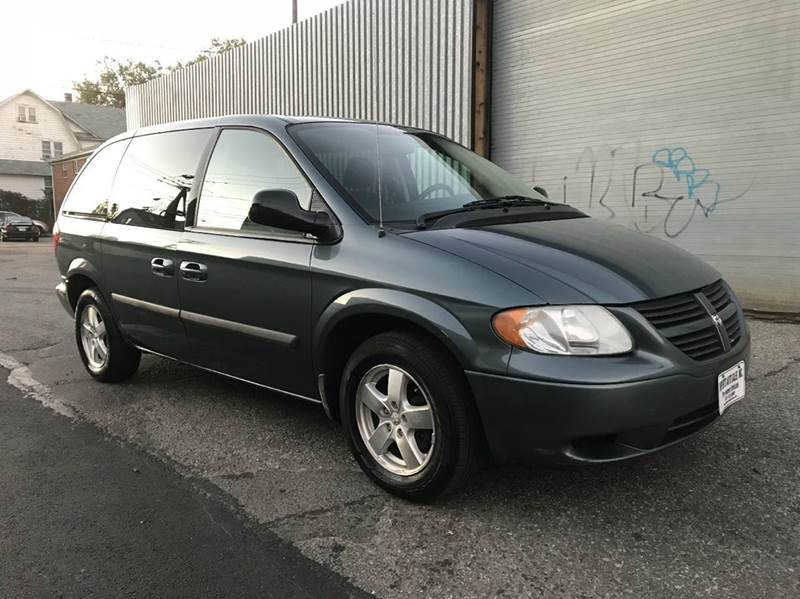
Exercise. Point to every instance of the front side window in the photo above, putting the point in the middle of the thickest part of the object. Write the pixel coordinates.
(419, 172)
(155, 178)
(88, 196)
(46, 151)
(243, 163)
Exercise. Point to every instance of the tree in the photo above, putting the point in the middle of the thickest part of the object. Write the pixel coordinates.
(115, 76)
(13, 201)
(218, 46)
(109, 87)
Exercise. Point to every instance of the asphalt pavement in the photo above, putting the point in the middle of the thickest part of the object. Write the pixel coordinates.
(717, 516)
(87, 516)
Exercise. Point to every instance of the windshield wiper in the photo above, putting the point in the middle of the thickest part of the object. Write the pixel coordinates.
(486, 203)
(509, 200)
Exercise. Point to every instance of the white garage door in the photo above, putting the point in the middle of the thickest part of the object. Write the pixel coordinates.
(677, 118)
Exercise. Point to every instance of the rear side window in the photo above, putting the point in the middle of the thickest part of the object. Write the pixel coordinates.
(154, 179)
(244, 162)
(89, 194)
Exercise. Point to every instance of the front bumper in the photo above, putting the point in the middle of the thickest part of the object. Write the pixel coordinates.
(536, 420)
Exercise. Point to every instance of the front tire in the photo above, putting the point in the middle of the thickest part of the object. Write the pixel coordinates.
(411, 423)
(104, 352)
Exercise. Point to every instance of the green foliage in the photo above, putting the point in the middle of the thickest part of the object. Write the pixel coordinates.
(16, 202)
(115, 76)
(109, 88)
(218, 46)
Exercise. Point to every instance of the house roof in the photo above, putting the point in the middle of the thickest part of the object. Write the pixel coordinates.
(103, 122)
(72, 155)
(24, 167)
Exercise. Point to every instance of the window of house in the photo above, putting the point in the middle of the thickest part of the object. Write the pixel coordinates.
(243, 163)
(47, 153)
(26, 114)
(76, 166)
(155, 177)
(64, 170)
(58, 149)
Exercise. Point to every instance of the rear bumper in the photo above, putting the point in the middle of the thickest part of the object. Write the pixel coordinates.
(32, 234)
(532, 420)
(61, 293)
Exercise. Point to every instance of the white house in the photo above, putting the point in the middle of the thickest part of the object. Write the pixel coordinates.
(34, 130)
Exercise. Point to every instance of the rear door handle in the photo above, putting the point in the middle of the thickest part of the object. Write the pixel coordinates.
(194, 271)
(162, 267)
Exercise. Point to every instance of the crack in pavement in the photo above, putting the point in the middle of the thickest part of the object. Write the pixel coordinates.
(792, 362)
(326, 510)
(46, 345)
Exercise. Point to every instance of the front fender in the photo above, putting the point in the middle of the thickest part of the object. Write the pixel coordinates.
(401, 304)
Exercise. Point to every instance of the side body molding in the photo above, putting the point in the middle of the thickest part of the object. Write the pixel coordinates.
(392, 302)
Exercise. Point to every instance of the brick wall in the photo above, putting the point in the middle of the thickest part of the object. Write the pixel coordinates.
(64, 172)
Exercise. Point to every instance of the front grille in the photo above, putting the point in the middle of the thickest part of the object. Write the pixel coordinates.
(685, 320)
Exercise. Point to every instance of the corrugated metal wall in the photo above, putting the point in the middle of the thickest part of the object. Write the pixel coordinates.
(678, 118)
(402, 61)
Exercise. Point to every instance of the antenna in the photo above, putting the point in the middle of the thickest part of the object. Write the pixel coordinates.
(381, 230)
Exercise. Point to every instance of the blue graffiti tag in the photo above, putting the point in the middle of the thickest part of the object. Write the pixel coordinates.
(683, 168)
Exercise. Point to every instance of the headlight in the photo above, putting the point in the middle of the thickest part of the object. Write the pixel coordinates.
(566, 330)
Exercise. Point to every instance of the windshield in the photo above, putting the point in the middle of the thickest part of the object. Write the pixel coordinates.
(420, 172)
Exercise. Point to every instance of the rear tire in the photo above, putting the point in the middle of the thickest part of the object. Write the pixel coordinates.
(429, 392)
(103, 350)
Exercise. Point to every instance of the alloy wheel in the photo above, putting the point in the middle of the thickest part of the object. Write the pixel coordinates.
(94, 338)
(395, 420)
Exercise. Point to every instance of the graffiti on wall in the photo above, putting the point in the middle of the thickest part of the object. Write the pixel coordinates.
(668, 191)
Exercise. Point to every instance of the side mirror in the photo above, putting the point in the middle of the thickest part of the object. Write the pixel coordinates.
(540, 190)
(280, 208)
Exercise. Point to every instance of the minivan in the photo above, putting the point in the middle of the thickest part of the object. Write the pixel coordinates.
(436, 306)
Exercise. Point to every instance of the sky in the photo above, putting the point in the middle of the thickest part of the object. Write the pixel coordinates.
(61, 42)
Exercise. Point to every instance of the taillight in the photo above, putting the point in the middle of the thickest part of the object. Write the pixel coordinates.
(56, 235)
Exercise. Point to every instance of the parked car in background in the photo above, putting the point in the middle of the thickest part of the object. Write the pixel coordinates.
(427, 299)
(18, 228)
(42, 226)
(44, 229)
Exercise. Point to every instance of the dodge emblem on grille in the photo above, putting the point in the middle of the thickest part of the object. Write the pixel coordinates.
(717, 319)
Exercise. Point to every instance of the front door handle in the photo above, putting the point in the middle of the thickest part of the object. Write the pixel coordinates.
(194, 271)
(162, 267)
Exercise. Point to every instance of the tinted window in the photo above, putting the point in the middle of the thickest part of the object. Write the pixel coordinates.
(419, 172)
(155, 177)
(89, 193)
(243, 163)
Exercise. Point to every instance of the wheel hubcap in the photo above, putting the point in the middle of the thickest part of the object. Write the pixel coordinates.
(395, 420)
(94, 338)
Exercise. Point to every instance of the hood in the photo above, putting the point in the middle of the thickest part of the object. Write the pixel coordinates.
(579, 260)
